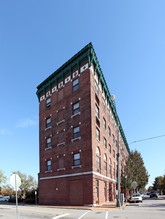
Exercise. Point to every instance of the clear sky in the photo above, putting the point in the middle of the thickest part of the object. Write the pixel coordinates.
(37, 37)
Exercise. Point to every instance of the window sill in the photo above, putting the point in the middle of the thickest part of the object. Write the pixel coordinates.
(48, 148)
(74, 139)
(78, 166)
(60, 169)
(63, 143)
(75, 115)
(60, 122)
(48, 128)
(48, 171)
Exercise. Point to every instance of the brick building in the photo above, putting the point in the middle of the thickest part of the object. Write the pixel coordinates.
(78, 135)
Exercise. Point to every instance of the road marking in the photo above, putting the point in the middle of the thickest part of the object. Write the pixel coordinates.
(106, 215)
(63, 215)
(83, 215)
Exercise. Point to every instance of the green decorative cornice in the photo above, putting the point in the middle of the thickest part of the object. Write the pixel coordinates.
(85, 54)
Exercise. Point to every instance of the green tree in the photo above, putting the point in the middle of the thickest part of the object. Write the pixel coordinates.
(2, 177)
(135, 171)
(27, 183)
(158, 183)
(7, 190)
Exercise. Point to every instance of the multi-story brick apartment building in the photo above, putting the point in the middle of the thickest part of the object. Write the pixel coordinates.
(78, 135)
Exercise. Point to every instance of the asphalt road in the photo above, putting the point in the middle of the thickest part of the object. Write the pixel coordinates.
(149, 209)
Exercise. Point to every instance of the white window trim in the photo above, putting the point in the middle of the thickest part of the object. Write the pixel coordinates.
(75, 114)
(74, 139)
(60, 122)
(60, 169)
(78, 166)
(48, 128)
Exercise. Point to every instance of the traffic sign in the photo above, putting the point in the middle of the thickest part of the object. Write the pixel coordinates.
(15, 181)
(134, 184)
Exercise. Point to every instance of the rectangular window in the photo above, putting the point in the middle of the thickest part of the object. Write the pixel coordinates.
(109, 131)
(48, 165)
(96, 88)
(103, 104)
(113, 153)
(76, 159)
(97, 134)
(105, 143)
(104, 123)
(105, 189)
(48, 102)
(97, 111)
(109, 148)
(109, 114)
(113, 139)
(76, 132)
(110, 170)
(114, 170)
(75, 84)
(48, 123)
(97, 188)
(48, 142)
(76, 108)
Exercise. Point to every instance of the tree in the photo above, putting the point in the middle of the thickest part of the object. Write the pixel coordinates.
(158, 183)
(7, 190)
(27, 183)
(2, 177)
(135, 171)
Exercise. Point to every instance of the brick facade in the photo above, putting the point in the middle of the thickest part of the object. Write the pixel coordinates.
(77, 168)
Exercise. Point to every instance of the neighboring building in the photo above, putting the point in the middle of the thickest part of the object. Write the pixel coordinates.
(78, 135)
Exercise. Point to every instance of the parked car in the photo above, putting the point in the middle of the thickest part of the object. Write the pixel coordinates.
(4, 199)
(153, 195)
(136, 198)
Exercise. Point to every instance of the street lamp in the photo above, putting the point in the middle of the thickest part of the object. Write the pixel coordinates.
(118, 203)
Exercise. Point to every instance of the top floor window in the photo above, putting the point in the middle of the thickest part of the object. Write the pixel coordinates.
(109, 114)
(96, 88)
(76, 108)
(75, 84)
(48, 102)
(48, 123)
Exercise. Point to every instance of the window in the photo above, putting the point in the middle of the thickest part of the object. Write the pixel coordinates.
(96, 88)
(104, 123)
(48, 165)
(97, 111)
(105, 163)
(114, 170)
(104, 104)
(109, 114)
(105, 143)
(48, 142)
(76, 159)
(97, 134)
(109, 148)
(109, 131)
(110, 167)
(97, 188)
(48, 102)
(105, 189)
(113, 139)
(75, 84)
(113, 153)
(98, 160)
(76, 132)
(48, 123)
(76, 108)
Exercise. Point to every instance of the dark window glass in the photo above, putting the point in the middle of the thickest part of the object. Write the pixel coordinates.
(48, 142)
(48, 102)
(48, 123)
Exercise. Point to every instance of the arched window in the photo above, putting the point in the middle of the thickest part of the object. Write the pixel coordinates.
(98, 159)
(105, 162)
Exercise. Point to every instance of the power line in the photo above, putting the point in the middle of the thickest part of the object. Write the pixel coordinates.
(146, 139)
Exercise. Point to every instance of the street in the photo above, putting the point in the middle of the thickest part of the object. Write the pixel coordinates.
(149, 209)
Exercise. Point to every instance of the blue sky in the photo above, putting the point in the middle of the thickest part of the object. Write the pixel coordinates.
(37, 37)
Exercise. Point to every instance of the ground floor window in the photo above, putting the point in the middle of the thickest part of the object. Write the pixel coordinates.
(97, 188)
